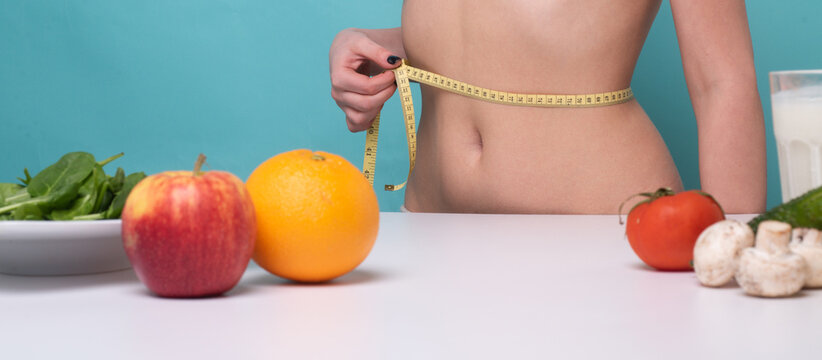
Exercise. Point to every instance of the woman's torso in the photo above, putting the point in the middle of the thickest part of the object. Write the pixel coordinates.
(475, 156)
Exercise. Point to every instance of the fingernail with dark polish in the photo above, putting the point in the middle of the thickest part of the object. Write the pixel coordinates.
(393, 59)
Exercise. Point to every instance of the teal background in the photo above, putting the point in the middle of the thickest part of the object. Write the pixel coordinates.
(243, 80)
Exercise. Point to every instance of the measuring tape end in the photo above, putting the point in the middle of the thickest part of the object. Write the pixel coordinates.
(395, 187)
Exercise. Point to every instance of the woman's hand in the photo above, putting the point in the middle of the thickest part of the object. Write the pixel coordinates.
(359, 83)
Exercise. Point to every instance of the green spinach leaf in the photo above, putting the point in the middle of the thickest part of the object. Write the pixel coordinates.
(81, 206)
(73, 188)
(119, 201)
(104, 199)
(7, 190)
(87, 196)
(27, 212)
(59, 183)
(18, 197)
(115, 183)
(14, 201)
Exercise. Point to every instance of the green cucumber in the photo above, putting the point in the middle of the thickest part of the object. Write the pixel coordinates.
(804, 211)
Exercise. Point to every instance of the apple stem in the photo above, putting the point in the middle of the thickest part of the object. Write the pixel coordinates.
(199, 164)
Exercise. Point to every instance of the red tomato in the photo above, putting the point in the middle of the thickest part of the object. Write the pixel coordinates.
(663, 229)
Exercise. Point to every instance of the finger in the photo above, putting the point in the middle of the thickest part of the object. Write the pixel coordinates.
(366, 103)
(358, 121)
(361, 84)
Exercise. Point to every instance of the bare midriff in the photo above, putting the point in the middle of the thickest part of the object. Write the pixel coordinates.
(475, 156)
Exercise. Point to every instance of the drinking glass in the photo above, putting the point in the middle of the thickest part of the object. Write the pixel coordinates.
(796, 100)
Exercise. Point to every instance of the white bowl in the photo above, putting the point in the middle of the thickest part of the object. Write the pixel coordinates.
(61, 247)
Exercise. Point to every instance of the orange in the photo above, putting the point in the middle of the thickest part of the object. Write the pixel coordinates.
(317, 215)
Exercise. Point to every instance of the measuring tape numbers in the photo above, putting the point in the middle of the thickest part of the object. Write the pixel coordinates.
(405, 73)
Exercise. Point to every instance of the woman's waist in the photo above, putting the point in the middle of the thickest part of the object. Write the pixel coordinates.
(515, 142)
(450, 114)
(555, 155)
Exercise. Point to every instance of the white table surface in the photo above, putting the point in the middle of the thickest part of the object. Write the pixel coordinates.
(435, 286)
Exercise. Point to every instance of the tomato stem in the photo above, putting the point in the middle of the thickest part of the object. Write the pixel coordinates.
(665, 191)
(661, 192)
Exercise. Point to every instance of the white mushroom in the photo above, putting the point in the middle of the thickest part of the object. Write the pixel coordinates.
(808, 244)
(717, 251)
(770, 269)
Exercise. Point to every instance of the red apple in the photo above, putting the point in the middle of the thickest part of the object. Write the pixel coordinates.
(189, 233)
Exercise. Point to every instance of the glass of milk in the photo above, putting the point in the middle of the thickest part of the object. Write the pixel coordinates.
(796, 100)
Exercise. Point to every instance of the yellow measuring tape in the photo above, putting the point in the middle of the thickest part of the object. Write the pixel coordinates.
(405, 73)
